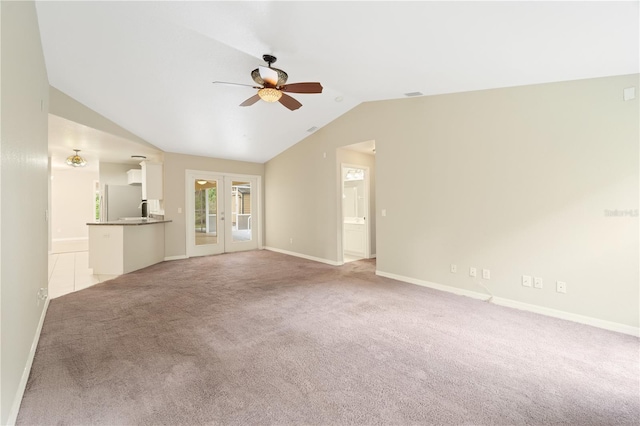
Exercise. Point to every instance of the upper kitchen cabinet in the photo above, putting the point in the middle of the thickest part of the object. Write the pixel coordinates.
(151, 180)
(134, 177)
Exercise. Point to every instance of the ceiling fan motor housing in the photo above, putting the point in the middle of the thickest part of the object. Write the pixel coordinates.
(282, 77)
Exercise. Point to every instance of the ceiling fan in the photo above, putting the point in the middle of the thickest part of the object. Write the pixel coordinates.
(272, 83)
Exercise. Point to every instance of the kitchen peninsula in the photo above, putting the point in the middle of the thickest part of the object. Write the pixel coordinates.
(122, 246)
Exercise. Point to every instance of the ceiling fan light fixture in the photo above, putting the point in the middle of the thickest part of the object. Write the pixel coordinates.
(269, 94)
(75, 160)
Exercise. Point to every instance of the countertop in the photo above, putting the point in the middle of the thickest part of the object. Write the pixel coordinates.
(127, 222)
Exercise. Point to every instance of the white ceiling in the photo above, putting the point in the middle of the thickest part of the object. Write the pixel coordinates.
(95, 146)
(149, 66)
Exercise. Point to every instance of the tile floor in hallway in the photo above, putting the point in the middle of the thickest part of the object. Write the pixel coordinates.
(348, 258)
(69, 271)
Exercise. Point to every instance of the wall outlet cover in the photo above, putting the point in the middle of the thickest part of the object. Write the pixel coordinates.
(537, 282)
(526, 280)
(473, 272)
(454, 268)
(561, 287)
(486, 274)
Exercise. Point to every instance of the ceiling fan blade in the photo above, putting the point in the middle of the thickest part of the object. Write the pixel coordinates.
(268, 75)
(302, 88)
(252, 100)
(236, 84)
(289, 102)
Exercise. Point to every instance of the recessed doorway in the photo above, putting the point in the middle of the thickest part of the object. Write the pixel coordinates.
(355, 208)
(356, 203)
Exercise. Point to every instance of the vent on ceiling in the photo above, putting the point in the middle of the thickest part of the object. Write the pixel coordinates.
(312, 129)
(411, 94)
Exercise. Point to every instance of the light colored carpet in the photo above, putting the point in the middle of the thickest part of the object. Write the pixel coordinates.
(264, 338)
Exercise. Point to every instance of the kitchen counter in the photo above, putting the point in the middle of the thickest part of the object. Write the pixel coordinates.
(122, 246)
(129, 222)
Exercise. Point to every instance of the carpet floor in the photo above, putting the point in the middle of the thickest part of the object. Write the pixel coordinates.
(264, 338)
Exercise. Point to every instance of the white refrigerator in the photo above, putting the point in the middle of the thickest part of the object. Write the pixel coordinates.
(120, 201)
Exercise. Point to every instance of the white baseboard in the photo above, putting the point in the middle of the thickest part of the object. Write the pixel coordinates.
(59, 240)
(17, 400)
(595, 322)
(304, 256)
(179, 257)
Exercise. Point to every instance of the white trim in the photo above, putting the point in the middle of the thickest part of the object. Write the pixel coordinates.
(304, 256)
(178, 257)
(17, 400)
(449, 289)
(595, 322)
(56, 240)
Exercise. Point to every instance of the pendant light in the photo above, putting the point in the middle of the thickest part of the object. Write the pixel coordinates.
(75, 160)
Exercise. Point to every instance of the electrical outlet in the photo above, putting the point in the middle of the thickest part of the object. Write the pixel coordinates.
(537, 282)
(41, 295)
(561, 287)
(526, 280)
(486, 274)
(454, 268)
(291, 240)
(473, 272)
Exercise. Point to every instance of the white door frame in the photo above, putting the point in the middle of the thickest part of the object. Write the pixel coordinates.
(256, 221)
(367, 221)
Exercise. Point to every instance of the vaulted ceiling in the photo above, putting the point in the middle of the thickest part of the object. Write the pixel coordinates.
(149, 66)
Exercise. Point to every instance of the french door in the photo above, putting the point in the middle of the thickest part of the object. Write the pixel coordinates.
(222, 213)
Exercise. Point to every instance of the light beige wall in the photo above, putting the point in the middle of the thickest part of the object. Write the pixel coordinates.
(361, 159)
(72, 202)
(515, 180)
(114, 173)
(65, 106)
(174, 170)
(24, 230)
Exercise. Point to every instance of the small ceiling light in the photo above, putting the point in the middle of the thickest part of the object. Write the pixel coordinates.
(75, 160)
(269, 94)
(201, 182)
(339, 99)
(139, 157)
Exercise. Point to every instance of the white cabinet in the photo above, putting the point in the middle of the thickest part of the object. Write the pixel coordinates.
(134, 177)
(120, 249)
(151, 181)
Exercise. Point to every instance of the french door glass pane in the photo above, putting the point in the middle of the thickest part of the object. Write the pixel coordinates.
(206, 209)
(241, 211)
